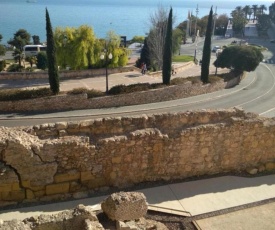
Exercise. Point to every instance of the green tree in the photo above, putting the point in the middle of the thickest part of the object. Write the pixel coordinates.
(178, 36)
(31, 59)
(255, 11)
(52, 64)
(202, 25)
(2, 48)
(239, 21)
(2, 65)
(138, 39)
(206, 55)
(36, 39)
(20, 39)
(144, 56)
(167, 53)
(239, 58)
(264, 23)
(120, 54)
(272, 12)
(247, 11)
(42, 61)
(221, 24)
(80, 49)
(262, 8)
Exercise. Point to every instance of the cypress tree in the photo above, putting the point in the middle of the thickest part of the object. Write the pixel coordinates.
(207, 49)
(145, 54)
(167, 53)
(52, 64)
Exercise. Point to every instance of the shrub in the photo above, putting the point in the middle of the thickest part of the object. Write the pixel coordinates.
(123, 89)
(91, 93)
(19, 94)
(14, 68)
(2, 65)
(42, 61)
(29, 69)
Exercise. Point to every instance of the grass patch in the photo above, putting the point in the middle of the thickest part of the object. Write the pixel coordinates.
(182, 58)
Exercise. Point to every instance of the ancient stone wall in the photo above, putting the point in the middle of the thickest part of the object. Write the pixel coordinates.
(73, 159)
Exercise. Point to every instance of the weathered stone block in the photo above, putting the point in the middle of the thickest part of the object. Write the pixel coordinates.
(125, 206)
(84, 176)
(39, 194)
(61, 125)
(15, 186)
(116, 160)
(66, 177)
(95, 183)
(29, 194)
(270, 166)
(26, 183)
(5, 187)
(57, 188)
(252, 171)
(13, 195)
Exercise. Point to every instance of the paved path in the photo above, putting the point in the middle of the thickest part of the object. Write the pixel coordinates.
(192, 199)
(99, 83)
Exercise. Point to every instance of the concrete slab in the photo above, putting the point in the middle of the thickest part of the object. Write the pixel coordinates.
(256, 218)
(199, 197)
(162, 197)
(22, 213)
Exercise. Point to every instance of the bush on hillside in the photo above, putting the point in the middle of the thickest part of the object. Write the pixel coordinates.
(14, 68)
(91, 93)
(19, 94)
(42, 61)
(2, 65)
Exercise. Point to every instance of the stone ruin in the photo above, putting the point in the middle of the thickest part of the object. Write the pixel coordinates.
(126, 208)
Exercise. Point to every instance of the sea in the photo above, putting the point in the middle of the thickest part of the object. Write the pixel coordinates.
(125, 17)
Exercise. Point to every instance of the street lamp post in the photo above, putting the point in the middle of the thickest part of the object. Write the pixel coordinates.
(196, 40)
(107, 57)
(197, 11)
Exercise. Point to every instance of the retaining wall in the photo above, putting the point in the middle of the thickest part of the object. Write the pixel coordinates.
(74, 102)
(65, 73)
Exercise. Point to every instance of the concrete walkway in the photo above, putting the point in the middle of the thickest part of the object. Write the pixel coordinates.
(99, 83)
(192, 199)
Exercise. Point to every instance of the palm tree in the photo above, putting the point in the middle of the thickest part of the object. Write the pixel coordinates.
(238, 8)
(246, 10)
(250, 13)
(255, 10)
(262, 9)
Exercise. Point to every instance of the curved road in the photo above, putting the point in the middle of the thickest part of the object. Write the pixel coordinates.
(254, 94)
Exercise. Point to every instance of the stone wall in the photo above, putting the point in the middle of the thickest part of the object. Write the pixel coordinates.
(74, 159)
(69, 102)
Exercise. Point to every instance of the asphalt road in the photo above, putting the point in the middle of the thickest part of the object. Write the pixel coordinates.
(254, 94)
